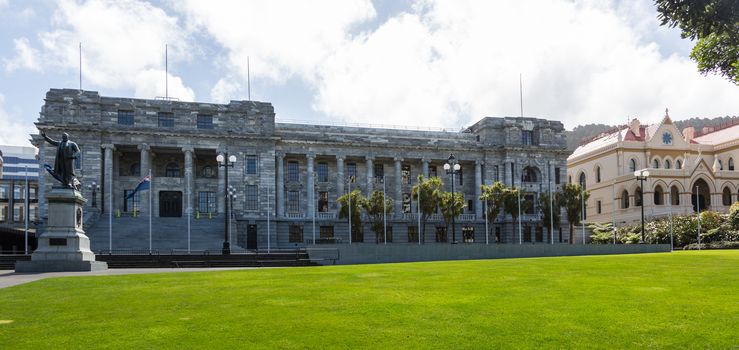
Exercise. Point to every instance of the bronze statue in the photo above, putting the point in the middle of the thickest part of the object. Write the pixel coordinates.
(67, 151)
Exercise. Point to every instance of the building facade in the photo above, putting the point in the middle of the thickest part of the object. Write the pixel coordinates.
(18, 195)
(687, 171)
(287, 177)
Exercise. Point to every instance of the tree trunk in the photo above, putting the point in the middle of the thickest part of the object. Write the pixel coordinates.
(572, 233)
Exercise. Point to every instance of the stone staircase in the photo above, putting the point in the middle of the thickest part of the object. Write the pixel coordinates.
(168, 234)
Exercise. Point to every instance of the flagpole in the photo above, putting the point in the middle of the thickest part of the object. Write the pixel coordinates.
(419, 212)
(384, 211)
(110, 211)
(487, 230)
(520, 237)
(151, 187)
(25, 211)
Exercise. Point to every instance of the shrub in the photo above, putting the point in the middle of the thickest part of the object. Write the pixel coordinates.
(631, 238)
(734, 216)
(713, 245)
(710, 220)
(602, 233)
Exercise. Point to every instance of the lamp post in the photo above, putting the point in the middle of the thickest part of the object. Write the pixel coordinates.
(225, 161)
(452, 168)
(231, 196)
(642, 175)
(94, 187)
(349, 180)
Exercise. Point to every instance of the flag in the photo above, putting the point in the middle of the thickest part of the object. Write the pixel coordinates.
(143, 185)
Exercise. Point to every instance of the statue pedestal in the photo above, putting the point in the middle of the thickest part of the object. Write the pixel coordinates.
(64, 246)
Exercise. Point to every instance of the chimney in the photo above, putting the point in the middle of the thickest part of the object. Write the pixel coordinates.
(634, 126)
(689, 134)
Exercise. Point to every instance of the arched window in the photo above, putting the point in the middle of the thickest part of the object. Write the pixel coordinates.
(720, 165)
(655, 163)
(172, 170)
(529, 174)
(674, 196)
(731, 164)
(638, 195)
(632, 165)
(726, 197)
(624, 199)
(582, 180)
(597, 174)
(668, 164)
(678, 164)
(135, 169)
(658, 195)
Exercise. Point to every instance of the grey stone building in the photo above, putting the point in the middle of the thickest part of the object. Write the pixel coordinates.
(284, 175)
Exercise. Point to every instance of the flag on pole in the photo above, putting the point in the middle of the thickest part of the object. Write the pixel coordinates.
(142, 186)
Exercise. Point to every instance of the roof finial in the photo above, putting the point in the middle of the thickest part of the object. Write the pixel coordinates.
(667, 112)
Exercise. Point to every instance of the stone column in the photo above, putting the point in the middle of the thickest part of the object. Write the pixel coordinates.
(107, 182)
(189, 179)
(221, 185)
(398, 189)
(310, 187)
(507, 172)
(145, 166)
(280, 184)
(425, 167)
(478, 190)
(370, 175)
(339, 180)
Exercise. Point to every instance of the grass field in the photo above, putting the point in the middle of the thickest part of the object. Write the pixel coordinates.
(676, 300)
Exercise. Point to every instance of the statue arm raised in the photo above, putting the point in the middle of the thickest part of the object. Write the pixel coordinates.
(49, 140)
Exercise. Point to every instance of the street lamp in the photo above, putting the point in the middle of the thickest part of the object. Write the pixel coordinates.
(94, 187)
(225, 161)
(231, 196)
(642, 175)
(452, 168)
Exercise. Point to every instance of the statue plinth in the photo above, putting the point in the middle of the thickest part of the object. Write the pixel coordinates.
(64, 246)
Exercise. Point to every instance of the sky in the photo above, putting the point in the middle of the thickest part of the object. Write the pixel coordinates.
(424, 63)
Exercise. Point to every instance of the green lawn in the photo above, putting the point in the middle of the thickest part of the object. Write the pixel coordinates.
(676, 300)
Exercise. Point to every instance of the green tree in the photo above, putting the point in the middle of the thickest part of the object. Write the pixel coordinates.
(451, 206)
(375, 209)
(715, 26)
(544, 208)
(511, 198)
(357, 201)
(492, 195)
(430, 190)
(572, 198)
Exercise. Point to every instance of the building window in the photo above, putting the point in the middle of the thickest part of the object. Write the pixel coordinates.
(32, 193)
(134, 169)
(668, 164)
(731, 164)
(327, 232)
(468, 234)
(296, 234)
(250, 162)
(4, 192)
(78, 161)
(322, 172)
(460, 176)
(292, 171)
(529, 174)
(323, 202)
(207, 171)
(4, 212)
(625, 199)
(726, 197)
(19, 192)
(470, 206)
(351, 171)
(599, 207)
(582, 181)
(539, 234)
(379, 172)
(166, 119)
(18, 213)
(497, 234)
(530, 202)
(495, 173)
(432, 171)
(597, 174)
(205, 122)
(251, 197)
(527, 137)
(556, 176)
(638, 197)
(412, 234)
(206, 202)
(293, 201)
(133, 203)
(658, 196)
(172, 170)
(632, 165)
(440, 234)
(678, 164)
(406, 202)
(675, 196)
(125, 117)
(405, 174)
(527, 233)
(655, 163)
(720, 165)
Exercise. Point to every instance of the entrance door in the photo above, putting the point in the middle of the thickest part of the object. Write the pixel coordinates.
(251, 237)
(170, 204)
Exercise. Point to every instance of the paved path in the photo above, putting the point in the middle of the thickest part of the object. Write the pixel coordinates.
(10, 278)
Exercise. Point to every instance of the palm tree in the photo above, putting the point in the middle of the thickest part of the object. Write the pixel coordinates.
(493, 196)
(430, 190)
(512, 204)
(547, 221)
(357, 200)
(572, 198)
(451, 206)
(375, 208)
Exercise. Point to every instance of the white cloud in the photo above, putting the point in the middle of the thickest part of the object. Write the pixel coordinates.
(3, 3)
(282, 38)
(122, 45)
(26, 57)
(14, 131)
